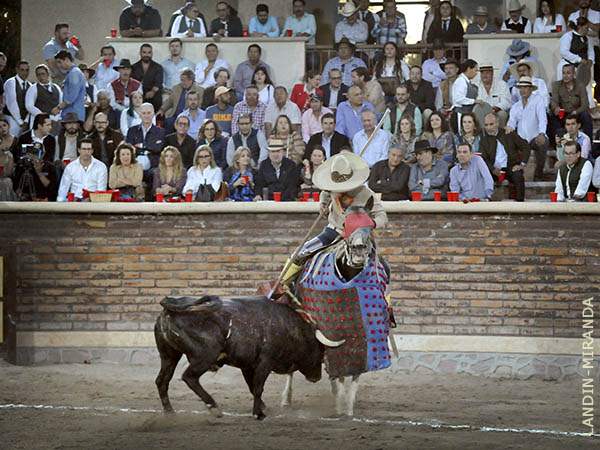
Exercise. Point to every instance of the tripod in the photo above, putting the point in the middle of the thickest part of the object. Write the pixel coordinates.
(26, 187)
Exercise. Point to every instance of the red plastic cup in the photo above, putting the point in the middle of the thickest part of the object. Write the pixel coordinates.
(245, 33)
(71, 197)
(561, 113)
(478, 154)
(448, 113)
(74, 41)
(277, 196)
(247, 178)
(553, 197)
(113, 33)
(558, 28)
(416, 196)
(501, 176)
(160, 198)
(188, 197)
(67, 161)
(437, 196)
(453, 196)
(289, 33)
(1, 170)
(305, 196)
(107, 62)
(591, 197)
(316, 196)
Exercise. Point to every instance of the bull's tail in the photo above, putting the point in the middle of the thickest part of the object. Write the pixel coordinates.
(179, 304)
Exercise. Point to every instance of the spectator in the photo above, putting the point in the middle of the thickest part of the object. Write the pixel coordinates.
(429, 174)
(348, 115)
(104, 139)
(105, 67)
(227, 23)
(180, 12)
(91, 92)
(43, 96)
(380, 144)
(247, 137)
(277, 174)
(3, 61)
(345, 62)
(103, 106)
(150, 74)
(391, 71)
(302, 92)
(171, 175)
(368, 17)
(570, 95)
(573, 179)
(331, 141)
(206, 70)
(189, 24)
(121, 88)
(391, 26)
(85, 172)
(58, 43)
(445, 25)
(470, 177)
(8, 143)
(470, 132)
(405, 138)
(203, 175)
(221, 77)
(282, 106)
(351, 27)
(39, 136)
(371, 88)
(529, 69)
(430, 15)
(548, 19)
(481, 23)
(244, 72)
(334, 92)
(464, 91)
(146, 136)
(125, 174)
(311, 119)
(185, 145)
(15, 90)
(516, 22)
(575, 49)
(176, 102)
(517, 51)
(505, 153)
(439, 136)
(292, 140)
(173, 66)
(194, 113)
(443, 96)
(252, 107)
(140, 19)
(70, 133)
(309, 165)
(421, 92)
(403, 108)
(300, 23)
(263, 83)
(494, 93)
(131, 116)
(573, 127)
(263, 24)
(222, 112)
(210, 134)
(528, 118)
(390, 177)
(432, 70)
(242, 190)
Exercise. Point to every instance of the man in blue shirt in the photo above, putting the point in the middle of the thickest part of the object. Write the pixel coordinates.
(263, 24)
(471, 177)
(74, 86)
(348, 115)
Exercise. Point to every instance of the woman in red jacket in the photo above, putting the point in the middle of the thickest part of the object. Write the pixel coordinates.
(301, 92)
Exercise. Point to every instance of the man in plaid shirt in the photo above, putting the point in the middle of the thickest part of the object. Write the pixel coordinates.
(252, 107)
(391, 26)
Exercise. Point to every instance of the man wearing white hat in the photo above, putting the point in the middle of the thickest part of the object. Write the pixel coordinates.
(495, 94)
(481, 24)
(351, 27)
(516, 22)
(529, 69)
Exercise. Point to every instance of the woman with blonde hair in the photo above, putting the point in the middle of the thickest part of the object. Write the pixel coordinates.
(204, 177)
(170, 175)
(210, 134)
(126, 173)
(240, 176)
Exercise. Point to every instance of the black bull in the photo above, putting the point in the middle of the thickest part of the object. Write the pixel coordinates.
(254, 334)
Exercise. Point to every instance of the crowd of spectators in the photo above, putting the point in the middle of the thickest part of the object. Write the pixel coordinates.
(155, 129)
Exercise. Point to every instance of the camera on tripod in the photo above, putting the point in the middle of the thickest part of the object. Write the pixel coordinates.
(29, 153)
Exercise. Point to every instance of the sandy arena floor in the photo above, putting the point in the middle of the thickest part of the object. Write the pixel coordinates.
(107, 406)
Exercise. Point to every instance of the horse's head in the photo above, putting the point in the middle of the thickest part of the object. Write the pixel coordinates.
(358, 227)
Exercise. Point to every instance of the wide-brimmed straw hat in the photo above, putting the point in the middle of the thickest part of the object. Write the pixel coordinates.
(349, 9)
(533, 67)
(514, 5)
(343, 172)
(486, 66)
(526, 82)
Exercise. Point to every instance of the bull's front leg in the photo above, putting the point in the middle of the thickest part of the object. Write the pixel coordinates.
(261, 373)
(286, 395)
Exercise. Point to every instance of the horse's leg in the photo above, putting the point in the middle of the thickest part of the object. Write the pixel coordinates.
(191, 377)
(286, 395)
(169, 357)
(249, 377)
(352, 395)
(337, 389)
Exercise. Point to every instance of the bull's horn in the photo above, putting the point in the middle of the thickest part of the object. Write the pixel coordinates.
(326, 342)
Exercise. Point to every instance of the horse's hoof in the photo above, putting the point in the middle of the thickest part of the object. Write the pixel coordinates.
(169, 411)
(215, 411)
(259, 416)
(285, 403)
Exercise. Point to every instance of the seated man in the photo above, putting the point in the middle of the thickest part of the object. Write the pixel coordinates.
(247, 137)
(431, 67)
(206, 69)
(182, 141)
(516, 23)
(175, 103)
(245, 70)
(282, 106)
(329, 139)
(573, 128)
(277, 174)
(421, 92)
(311, 119)
(481, 23)
(140, 19)
(390, 177)
(470, 177)
(221, 77)
(190, 24)
(263, 24)
(103, 106)
(345, 62)
(226, 24)
(251, 106)
(150, 74)
(351, 27)
(85, 172)
(180, 12)
(504, 153)
(391, 26)
(194, 113)
(573, 179)
(334, 92)
(121, 89)
(428, 174)
(300, 23)
(380, 144)
(402, 107)
(222, 112)
(35, 166)
(40, 136)
(518, 50)
(104, 139)
(371, 88)
(495, 95)
(104, 67)
(67, 139)
(173, 66)
(529, 69)
(348, 115)
(146, 137)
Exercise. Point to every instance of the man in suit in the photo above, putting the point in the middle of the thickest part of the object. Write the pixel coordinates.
(150, 74)
(175, 103)
(277, 173)
(334, 92)
(506, 153)
(329, 139)
(147, 137)
(446, 26)
(104, 139)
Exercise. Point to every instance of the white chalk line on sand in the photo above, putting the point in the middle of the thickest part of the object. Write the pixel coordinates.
(431, 424)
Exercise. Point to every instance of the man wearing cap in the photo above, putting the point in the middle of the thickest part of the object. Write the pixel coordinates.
(349, 113)
(351, 27)
(104, 67)
(121, 88)
(332, 141)
(311, 118)
(494, 93)
(282, 106)
(277, 174)
(247, 137)
(528, 118)
(222, 111)
(470, 177)
(429, 174)
(73, 87)
(380, 144)
(300, 23)
(443, 95)
(529, 69)
(573, 179)
(390, 177)
(516, 23)
(44, 97)
(221, 77)
(481, 24)
(67, 139)
(391, 26)
(517, 51)
(345, 62)
(432, 71)
(140, 19)
(175, 103)
(60, 42)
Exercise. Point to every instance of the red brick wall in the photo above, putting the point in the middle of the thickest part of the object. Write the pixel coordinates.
(452, 274)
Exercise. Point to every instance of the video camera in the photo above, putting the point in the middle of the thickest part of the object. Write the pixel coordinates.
(29, 153)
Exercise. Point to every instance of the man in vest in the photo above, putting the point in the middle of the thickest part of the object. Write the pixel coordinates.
(573, 179)
(121, 88)
(443, 96)
(104, 139)
(516, 22)
(70, 133)
(247, 136)
(402, 107)
(15, 89)
(44, 97)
